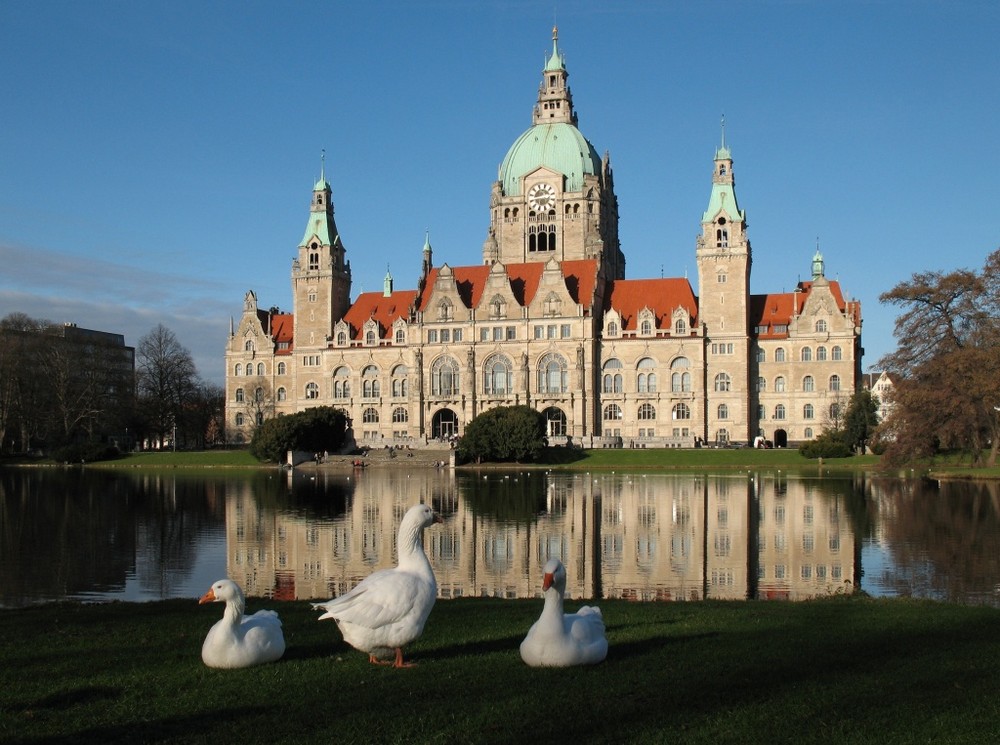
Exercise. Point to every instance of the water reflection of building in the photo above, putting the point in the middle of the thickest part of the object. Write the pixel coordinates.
(638, 536)
(806, 546)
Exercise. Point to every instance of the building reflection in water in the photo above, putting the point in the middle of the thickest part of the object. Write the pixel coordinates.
(638, 536)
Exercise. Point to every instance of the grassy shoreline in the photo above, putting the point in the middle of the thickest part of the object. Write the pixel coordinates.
(840, 669)
(952, 466)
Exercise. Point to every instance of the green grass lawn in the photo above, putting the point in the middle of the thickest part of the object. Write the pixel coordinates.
(844, 669)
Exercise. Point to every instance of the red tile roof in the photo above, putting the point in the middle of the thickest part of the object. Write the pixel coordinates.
(580, 276)
(778, 309)
(282, 329)
(385, 310)
(662, 296)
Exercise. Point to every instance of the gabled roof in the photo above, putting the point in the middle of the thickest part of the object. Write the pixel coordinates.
(580, 277)
(385, 310)
(662, 296)
(778, 309)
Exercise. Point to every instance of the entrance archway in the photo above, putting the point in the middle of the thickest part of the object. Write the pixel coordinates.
(444, 424)
(555, 422)
(780, 438)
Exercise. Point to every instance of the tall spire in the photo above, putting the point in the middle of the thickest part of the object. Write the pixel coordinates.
(555, 102)
(723, 152)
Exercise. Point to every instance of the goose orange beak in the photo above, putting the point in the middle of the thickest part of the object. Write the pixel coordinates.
(208, 597)
(547, 581)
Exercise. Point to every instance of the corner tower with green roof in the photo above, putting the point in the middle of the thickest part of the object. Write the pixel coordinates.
(554, 195)
(724, 258)
(321, 275)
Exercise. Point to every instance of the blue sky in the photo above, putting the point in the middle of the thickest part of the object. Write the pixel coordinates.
(157, 159)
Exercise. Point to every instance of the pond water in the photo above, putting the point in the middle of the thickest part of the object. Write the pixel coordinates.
(312, 533)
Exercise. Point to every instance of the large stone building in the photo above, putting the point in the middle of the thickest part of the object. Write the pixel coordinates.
(548, 319)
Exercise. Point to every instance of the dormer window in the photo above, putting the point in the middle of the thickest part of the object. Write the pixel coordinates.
(680, 327)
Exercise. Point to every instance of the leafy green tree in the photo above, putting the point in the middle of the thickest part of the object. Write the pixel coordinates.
(829, 444)
(317, 429)
(861, 420)
(504, 434)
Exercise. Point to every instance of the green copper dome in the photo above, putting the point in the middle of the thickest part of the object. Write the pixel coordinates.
(559, 146)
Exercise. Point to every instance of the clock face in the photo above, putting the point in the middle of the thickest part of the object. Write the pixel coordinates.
(541, 197)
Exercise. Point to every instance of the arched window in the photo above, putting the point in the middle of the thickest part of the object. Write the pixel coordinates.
(779, 411)
(444, 377)
(646, 379)
(612, 328)
(369, 382)
(399, 386)
(762, 355)
(612, 412)
(807, 411)
(370, 337)
(341, 338)
(680, 411)
(239, 419)
(808, 433)
(806, 355)
(248, 347)
(647, 412)
(722, 412)
(400, 336)
(820, 326)
(341, 383)
(282, 368)
(249, 369)
(238, 370)
(808, 385)
(282, 394)
(779, 384)
(369, 416)
(836, 354)
(761, 412)
(400, 415)
(646, 327)
(723, 382)
(680, 376)
(261, 369)
(542, 237)
(553, 374)
(680, 327)
(821, 354)
(258, 394)
(613, 380)
(834, 412)
(498, 375)
(312, 390)
(779, 355)
(834, 382)
(761, 384)
(239, 395)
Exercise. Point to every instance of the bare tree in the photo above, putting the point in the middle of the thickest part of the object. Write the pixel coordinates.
(166, 382)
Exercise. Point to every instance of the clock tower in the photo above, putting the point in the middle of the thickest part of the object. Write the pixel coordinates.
(554, 196)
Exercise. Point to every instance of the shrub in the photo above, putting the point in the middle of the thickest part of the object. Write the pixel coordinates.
(318, 429)
(829, 444)
(506, 433)
(85, 452)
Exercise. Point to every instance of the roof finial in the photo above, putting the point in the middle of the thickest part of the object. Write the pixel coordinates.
(322, 164)
(723, 130)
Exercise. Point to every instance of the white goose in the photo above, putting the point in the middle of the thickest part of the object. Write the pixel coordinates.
(389, 608)
(560, 639)
(238, 640)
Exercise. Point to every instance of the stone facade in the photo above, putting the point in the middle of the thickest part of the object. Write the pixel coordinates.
(549, 320)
